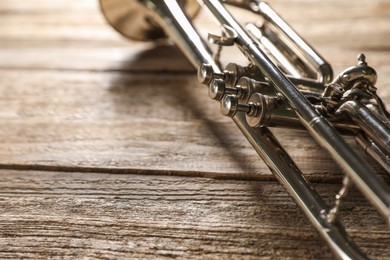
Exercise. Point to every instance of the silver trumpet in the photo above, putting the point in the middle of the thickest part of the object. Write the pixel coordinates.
(286, 84)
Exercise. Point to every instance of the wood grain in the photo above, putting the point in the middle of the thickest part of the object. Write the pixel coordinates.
(81, 104)
(127, 122)
(52, 214)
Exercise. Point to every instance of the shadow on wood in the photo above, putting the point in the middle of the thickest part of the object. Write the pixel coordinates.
(178, 98)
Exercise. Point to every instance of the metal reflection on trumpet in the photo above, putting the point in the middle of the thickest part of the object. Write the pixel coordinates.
(286, 84)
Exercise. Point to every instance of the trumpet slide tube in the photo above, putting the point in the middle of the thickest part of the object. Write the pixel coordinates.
(171, 17)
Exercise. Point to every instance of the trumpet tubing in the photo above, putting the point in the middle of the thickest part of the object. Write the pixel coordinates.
(286, 84)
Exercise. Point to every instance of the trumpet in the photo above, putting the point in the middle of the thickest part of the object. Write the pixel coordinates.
(286, 84)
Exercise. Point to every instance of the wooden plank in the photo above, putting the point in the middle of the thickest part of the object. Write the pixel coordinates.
(131, 122)
(54, 214)
(61, 36)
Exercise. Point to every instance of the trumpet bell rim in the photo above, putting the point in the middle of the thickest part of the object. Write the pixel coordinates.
(134, 20)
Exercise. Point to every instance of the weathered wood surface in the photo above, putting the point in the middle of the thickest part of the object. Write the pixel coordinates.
(77, 98)
(53, 214)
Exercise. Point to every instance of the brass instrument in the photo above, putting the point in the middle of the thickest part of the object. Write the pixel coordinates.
(286, 84)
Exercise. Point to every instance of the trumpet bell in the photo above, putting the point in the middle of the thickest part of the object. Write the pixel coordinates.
(134, 20)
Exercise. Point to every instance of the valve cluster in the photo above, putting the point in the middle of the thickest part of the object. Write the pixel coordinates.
(240, 89)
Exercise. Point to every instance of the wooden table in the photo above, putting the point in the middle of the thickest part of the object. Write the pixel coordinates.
(111, 149)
